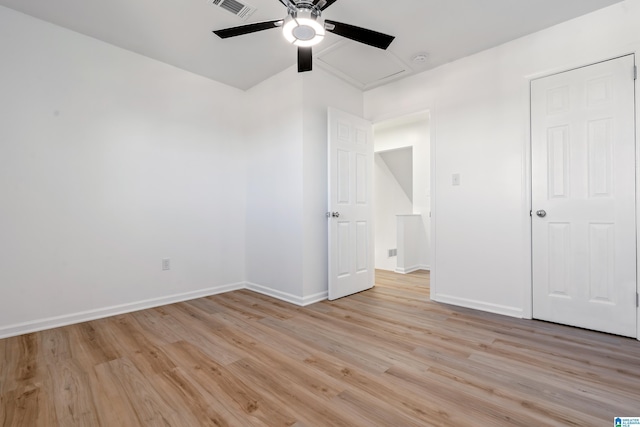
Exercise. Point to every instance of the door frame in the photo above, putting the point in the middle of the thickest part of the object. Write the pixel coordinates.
(527, 181)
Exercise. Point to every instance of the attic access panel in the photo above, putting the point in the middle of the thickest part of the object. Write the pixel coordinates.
(361, 65)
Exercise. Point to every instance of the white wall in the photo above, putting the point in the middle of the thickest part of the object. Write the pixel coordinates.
(479, 117)
(407, 131)
(410, 231)
(287, 182)
(389, 200)
(109, 162)
(274, 243)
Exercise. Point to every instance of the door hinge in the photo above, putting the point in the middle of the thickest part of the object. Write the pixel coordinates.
(637, 300)
(635, 72)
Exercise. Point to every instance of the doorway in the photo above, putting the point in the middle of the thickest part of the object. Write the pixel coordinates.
(584, 197)
(402, 193)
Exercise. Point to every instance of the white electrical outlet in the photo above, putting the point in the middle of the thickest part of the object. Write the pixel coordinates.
(455, 179)
(166, 264)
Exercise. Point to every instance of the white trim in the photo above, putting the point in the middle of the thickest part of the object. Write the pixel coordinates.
(312, 299)
(100, 313)
(412, 269)
(480, 305)
(434, 217)
(585, 62)
(637, 135)
(287, 297)
(527, 279)
(85, 316)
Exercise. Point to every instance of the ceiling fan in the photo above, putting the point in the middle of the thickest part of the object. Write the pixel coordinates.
(304, 28)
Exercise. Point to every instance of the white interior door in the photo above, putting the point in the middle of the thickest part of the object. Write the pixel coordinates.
(351, 251)
(583, 178)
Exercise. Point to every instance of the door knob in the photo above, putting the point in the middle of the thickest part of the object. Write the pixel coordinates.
(333, 214)
(541, 213)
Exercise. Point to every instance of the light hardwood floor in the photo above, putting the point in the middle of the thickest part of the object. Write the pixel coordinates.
(385, 357)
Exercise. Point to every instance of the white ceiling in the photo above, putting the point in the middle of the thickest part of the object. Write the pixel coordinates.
(179, 32)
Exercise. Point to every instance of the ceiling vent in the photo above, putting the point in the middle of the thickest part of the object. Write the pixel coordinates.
(241, 10)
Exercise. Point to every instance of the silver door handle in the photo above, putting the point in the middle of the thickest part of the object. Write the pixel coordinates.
(333, 214)
(541, 213)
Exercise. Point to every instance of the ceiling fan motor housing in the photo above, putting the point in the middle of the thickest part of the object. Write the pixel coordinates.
(304, 5)
(302, 26)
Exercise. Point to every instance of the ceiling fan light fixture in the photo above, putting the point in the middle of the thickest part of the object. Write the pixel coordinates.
(303, 31)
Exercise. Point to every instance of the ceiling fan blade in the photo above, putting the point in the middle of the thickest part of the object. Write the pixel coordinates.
(362, 35)
(305, 56)
(326, 4)
(246, 29)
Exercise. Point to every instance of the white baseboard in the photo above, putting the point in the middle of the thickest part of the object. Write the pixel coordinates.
(480, 305)
(284, 296)
(85, 316)
(412, 269)
(312, 299)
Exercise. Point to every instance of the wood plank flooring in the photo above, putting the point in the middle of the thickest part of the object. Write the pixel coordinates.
(384, 357)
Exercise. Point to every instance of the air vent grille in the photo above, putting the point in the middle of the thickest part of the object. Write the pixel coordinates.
(241, 10)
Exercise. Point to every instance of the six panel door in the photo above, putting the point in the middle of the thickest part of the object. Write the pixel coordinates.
(583, 197)
(350, 190)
